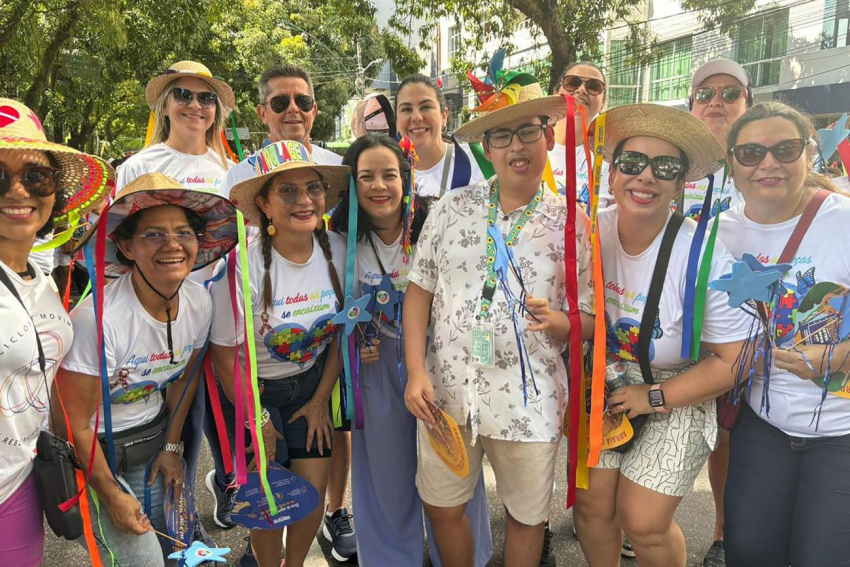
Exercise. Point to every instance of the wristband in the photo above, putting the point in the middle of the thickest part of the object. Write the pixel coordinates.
(264, 417)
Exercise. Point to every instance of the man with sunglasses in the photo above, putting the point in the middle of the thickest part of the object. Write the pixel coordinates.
(720, 94)
(494, 365)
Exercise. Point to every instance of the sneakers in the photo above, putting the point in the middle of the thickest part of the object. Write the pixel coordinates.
(626, 550)
(248, 559)
(223, 500)
(716, 556)
(547, 558)
(338, 529)
(202, 535)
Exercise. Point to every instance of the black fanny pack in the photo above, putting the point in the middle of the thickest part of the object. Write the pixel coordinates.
(137, 446)
(56, 482)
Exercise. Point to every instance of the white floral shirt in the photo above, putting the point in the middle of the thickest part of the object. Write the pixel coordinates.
(450, 262)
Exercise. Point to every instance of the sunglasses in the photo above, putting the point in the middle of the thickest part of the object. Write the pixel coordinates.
(289, 192)
(666, 168)
(786, 151)
(281, 102)
(527, 134)
(703, 95)
(156, 238)
(571, 84)
(38, 180)
(184, 97)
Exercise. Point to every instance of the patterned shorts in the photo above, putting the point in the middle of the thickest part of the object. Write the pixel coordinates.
(669, 451)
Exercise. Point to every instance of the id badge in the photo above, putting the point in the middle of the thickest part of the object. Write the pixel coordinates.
(483, 351)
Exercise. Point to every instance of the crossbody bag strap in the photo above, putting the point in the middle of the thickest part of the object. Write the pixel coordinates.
(653, 299)
(447, 165)
(803, 226)
(42, 361)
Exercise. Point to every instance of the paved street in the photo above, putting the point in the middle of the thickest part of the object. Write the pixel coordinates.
(695, 516)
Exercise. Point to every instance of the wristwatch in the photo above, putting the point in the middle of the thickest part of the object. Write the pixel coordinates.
(176, 448)
(656, 399)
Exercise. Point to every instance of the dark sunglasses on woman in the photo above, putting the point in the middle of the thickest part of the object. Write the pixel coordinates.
(38, 180)
(786, 151)
(184, 97)
(571, 84)
(667, 168)
(281, 102)
(730, 94)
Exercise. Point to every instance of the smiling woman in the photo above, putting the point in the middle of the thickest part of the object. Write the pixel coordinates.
(158, 232)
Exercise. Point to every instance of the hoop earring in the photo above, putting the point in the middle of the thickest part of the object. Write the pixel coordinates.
(271, 230)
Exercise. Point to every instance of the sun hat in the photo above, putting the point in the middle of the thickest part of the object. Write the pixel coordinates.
(720, 66)
(680, 128)
(506, 96)
(85, 180)
(154, 190)
(286, 155)
(182, 69)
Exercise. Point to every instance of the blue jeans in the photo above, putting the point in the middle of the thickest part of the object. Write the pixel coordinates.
(787, 498)
(132, 550)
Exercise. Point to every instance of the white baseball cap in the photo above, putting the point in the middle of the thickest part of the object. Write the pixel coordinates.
(720, 66)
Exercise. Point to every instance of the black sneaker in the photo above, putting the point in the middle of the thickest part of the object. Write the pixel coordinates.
(202, 535)
(716, 556)
(547, 558)
(248, 559)
(627, 550)
(338, 529)
(222, 502)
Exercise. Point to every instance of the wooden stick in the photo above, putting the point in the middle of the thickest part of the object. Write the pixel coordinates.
(168, 537)
(801, 341)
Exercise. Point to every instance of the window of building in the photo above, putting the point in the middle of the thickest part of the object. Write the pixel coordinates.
(622, 77)
(836, 24)
(454, 40)
(762, 41)
(670, 74)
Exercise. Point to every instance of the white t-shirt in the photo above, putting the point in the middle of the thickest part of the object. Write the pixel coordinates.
(429, 181)
(136, 346)
(627, 280)
(558, 160)
(369, 274)
(245, 169)
(821, 266)
(297, 328)
(24, 395)
(196, 172)
(722, 198)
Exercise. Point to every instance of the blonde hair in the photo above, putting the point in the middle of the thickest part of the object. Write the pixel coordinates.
(162, 128)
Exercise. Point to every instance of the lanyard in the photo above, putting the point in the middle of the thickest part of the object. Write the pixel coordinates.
(490, 282)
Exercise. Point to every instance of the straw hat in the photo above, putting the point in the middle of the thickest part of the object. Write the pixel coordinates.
(182, 69)
(680, 128)
(520, 97)
(85, 181)
(155, 189)
(286, 155)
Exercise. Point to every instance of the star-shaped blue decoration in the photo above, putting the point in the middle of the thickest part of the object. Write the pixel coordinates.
(353, 311)
(745, 284)
(199, 553)
(758, 267)
(830, 138)
(386, 297)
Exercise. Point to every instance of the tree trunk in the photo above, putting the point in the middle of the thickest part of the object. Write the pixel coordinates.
(15, 18)
(51, 54)
(548, 17)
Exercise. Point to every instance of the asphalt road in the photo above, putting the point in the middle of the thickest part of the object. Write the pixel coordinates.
(695, 515)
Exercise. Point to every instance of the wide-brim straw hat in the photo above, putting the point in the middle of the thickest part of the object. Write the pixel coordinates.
(182, 69)
(680, 128)
(277, 158)
(531, 102)
(154, 190)
(85, 181)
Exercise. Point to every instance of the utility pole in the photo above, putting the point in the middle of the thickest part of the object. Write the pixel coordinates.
(360, 80)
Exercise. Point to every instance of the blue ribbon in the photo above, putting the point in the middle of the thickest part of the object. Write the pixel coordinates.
(462, 174)
(351, 253)
(691, 274)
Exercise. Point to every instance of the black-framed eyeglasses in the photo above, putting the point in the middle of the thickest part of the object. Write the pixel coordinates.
(786, 151)
(38, 180)
(730, 94)
(666, 168)
(280, 103)
(527, 134)
(289, 192)
(571, 83)
(184, 97)
(157, 238)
